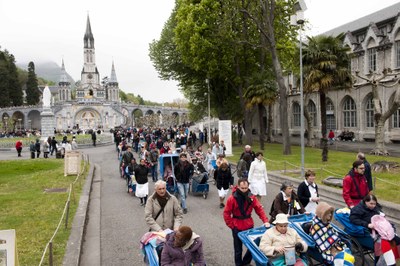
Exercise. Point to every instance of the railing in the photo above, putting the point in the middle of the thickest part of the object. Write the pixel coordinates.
(49, 245)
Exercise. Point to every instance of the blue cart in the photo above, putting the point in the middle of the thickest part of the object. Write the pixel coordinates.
(197, 187)
(164, 161)
(302, 223)
(251, 239)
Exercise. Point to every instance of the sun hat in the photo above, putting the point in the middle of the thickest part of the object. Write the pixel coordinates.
(281, 218)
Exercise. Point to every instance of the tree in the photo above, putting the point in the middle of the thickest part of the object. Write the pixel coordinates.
(15, 88)
(326, 63)
(270, 17)
(4, 81)
(262, 92)
(380, 116)
(32, 89)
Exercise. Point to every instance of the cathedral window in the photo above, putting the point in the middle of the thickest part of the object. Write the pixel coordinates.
(296, 114)
(369, 113)
(349, 113)
(397, 53)
(312, 110)
(372, 59)
(396, 119)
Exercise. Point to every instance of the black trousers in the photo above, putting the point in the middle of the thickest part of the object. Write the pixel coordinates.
(238, 247)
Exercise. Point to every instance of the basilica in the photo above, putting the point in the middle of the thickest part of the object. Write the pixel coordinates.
(96, 102)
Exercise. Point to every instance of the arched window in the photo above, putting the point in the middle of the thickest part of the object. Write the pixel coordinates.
(396, 119)
(312, 110)
(296, 114)
(369, 113)
(349, 113)
(330, 115)
(371, 55)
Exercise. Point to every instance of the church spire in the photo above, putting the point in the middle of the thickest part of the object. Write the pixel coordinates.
(113, 77)
(63, 77)
(88, 38)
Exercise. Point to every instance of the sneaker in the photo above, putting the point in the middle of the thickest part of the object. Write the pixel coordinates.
(184, 211)
(221, 205)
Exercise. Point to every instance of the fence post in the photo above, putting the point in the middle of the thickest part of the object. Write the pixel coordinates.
(51, 253)
(66, 216)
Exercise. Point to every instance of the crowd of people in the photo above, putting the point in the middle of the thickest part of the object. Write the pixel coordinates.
(164, 212)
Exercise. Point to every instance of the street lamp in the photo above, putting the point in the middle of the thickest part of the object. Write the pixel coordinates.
(298, 19)
(209, 115)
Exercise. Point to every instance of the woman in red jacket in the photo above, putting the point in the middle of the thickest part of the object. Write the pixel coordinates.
(237, 216)
(18, 147)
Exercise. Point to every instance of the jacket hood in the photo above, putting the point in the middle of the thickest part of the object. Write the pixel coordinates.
(322, 211)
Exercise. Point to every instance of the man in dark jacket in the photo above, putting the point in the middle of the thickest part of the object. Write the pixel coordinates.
(183, 248)
(237, 216)
(94, 138)
(183, 171)
(367, 172)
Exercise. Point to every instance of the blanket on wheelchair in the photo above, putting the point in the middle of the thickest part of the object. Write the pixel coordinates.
(329, 243)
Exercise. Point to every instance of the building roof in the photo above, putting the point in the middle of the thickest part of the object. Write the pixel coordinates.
(378, 16)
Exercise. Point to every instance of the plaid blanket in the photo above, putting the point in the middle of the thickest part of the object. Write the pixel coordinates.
(325, 236)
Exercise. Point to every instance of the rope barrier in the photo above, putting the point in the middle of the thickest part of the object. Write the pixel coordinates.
(393, 184)
(64, 211)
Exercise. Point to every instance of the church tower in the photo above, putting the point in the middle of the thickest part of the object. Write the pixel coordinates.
(90, 87)
(64, 88)
(112, 86)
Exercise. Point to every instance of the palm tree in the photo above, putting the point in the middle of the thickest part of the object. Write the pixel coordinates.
(326, 66)
(262, 92)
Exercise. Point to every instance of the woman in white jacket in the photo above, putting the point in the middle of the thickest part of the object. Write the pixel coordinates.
(258, 176)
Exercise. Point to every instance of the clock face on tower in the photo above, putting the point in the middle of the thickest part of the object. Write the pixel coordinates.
(90, 76)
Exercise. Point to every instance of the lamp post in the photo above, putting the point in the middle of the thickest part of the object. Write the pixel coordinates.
(209, 115)
(298, 19)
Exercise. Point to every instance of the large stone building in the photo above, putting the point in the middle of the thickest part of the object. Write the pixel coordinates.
(96, 103)
(375, 45)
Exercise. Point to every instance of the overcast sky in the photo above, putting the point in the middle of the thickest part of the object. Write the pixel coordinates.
(50, 30)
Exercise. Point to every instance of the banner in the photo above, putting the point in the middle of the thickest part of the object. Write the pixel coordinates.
(225, 134)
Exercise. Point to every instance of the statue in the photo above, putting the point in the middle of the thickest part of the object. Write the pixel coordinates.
(46, 98)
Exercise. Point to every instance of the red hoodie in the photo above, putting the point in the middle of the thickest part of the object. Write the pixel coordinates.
(232, 209)
(350, 193)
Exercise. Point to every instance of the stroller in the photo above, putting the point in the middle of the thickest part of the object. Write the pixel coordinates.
(166, 163)
(199, 180)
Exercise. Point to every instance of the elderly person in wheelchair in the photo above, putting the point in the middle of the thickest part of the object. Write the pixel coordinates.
(281, 243)
(327, 239)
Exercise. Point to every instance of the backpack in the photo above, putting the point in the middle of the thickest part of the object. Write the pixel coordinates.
(383, 227)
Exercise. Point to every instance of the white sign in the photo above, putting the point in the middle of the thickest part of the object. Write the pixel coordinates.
(8, 248)
(225, 134)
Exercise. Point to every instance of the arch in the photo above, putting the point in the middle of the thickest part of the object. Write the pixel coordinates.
(296, 110)
(330, 115)
(395, 117)
(87, 118)
(34, 119)
(349, 112)
(18, 119)
(312, 110)
(149, 112)
(5, 118)
(136, 115)
(368, 106)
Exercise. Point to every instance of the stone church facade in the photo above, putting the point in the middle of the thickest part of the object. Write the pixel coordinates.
(96, 104)
(375, 45)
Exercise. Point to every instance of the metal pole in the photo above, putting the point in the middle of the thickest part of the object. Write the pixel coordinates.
(67, 215)
(51, 253)
(301, 105)
(209, 113)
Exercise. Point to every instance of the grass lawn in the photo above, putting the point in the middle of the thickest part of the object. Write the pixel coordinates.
(338, 165)
(34, 214)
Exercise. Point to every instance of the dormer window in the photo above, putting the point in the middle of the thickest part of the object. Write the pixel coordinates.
(372, 59)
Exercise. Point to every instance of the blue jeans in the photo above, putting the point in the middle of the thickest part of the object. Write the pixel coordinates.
(154, 172)
(238, 247)
(183, 191)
